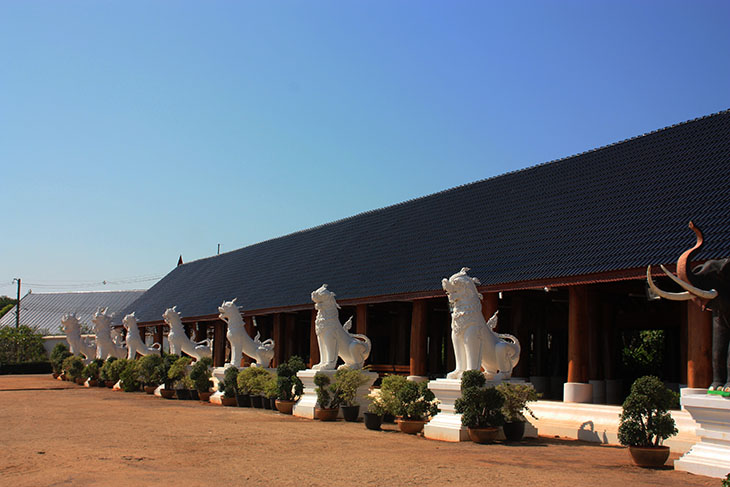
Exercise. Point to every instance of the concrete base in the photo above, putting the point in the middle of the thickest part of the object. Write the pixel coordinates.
(304, 408)
(577, 392)
(599, 391)
(417, 378)
(446, 425)
(711, 455)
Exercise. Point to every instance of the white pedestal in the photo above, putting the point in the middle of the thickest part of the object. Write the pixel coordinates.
(304, 408)
(446, 425)
(711, 456)
(599, 391)
(577, 392)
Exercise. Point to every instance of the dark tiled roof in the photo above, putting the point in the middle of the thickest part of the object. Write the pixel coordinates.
(622, 206)
(43, 311)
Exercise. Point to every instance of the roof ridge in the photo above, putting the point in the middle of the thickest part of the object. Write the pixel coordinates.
(479, 181)
(86, 292)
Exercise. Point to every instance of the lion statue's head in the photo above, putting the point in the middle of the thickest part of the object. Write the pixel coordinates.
(71, 324)
(228, 310)
(101, 320)
(171, 316)
(460, 287)
(129, 321)
(324, 297)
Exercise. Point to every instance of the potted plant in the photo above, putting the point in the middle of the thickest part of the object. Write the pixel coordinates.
(516, 397)
(91, 372)
(257, 385)
(328, 402)
(147, 367)
(389, 387)
(645, 421)
(480, 407)
(178, 371)
(270, 391)
(200, 374)
(59, 353)
(373, 417)
(346, 384)
(108, 373)
(162, 375)
(129, 376)
(289, 386)
(228, 386)
(415, 403)
(72, 367)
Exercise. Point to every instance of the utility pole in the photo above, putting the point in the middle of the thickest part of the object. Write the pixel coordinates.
(17, 306)
(219, 250)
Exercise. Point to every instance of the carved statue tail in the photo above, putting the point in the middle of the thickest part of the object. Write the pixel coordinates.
(515, 346)
(366, 341)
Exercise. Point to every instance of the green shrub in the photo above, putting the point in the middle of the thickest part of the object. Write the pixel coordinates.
(129, 374)
(326, 396)
(107, 373)
(147, 367)
(228, 386)
(347, 382)
(116, 367)
(178, 371)
(516, 397)
(73, 366)
(479, 407)
(201, 373)
(92, 370)
(22, 344)
(290, 387)
(271, 390)
(645, 420)
(161, 372)
(389, 388)
(415, 401)
(59, 353)
(259, 380)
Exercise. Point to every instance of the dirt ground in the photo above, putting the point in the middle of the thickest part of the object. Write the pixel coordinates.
(57, 433)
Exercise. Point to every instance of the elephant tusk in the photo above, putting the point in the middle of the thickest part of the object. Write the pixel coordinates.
(685, 296)
(700, 293)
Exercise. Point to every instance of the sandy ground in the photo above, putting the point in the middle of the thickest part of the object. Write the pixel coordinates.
(57, 433)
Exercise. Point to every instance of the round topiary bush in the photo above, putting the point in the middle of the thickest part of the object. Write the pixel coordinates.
(645, 420)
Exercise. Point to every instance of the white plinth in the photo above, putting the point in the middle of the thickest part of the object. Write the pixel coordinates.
(446, 425)
(304, 408)
(711, 455)
(577, 392)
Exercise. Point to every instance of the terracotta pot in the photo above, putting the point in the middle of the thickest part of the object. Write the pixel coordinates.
(285, 407)
(109, 383)
(483, 435)
(167, 393)
(93, 382)
(55, 375)
(372, 421)
(411, 426)
(514, 431)
(649, 456)
(329, 414)
(350, 413)
(204, 396)
(150, 389)
(228, 401)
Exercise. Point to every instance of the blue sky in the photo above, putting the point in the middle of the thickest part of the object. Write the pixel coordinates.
(133, 132)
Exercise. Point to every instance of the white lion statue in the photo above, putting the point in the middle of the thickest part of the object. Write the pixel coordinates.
(106, 346)
(77, 344)
(179, 341)
(476, 344)
(335, 339)
(134, 341)
(261, 352)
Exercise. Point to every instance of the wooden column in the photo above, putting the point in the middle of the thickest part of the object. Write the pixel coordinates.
(289, 335)
(219, 344)
(490, 303)
(418, 338)
(578, 335)
(313, 345)
(699, 346)
(279, 344)
(361, 319)
(519, 317)
(248, 325)
(200, 331)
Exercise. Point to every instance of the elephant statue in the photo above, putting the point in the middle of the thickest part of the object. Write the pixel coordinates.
(708, 286)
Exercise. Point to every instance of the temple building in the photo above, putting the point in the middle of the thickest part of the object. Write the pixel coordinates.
(561, 250)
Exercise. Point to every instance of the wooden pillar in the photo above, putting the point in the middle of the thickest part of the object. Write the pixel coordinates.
(361, 319)
(313, 345)
(490, 303)
(248, 325)
(522, 369)
(219, 343)
(418, 338)
(279, 344)
(699, 346)
(578, 334)
(290, 321)
(200, 331)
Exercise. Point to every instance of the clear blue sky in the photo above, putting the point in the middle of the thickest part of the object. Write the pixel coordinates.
(132, 132)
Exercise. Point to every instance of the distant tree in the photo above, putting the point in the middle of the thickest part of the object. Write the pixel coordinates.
(5, 309)
(21, 344)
